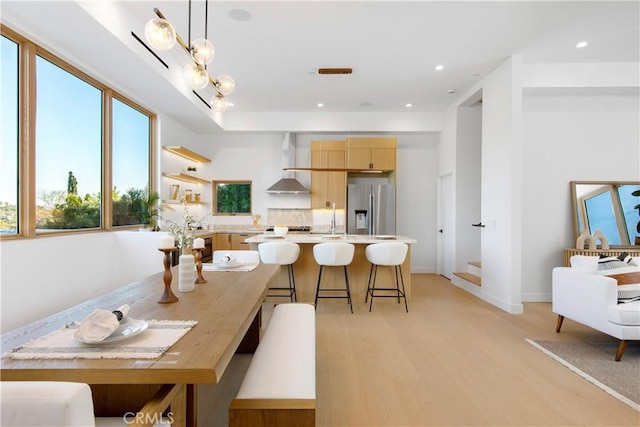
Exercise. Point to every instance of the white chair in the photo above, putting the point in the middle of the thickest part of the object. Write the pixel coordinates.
(64, 404)
(281, 253)
(386, 254)
(334, 254)
(245, 257)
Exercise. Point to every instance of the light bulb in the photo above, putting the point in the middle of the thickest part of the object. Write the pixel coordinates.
(196, 75)
(226, 85)
(160, 34)
(219, 103)
(202, 51)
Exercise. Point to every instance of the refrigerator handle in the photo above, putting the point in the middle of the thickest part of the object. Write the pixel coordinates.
(372, 213)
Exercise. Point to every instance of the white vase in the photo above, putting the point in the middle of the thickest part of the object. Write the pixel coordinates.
(186, 273)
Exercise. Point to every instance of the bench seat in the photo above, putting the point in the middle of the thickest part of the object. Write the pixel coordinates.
(279, 387)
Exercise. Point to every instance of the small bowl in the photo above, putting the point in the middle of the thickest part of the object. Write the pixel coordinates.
(280, 231)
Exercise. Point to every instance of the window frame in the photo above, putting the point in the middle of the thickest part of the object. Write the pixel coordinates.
(215, 183)
(26, 201)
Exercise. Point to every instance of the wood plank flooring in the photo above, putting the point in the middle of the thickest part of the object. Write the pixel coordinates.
(452, 360)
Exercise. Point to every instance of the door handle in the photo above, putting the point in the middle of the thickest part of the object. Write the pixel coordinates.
(440, 231)
(480, 224)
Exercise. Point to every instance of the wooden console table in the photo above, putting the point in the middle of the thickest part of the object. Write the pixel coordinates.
(569, 252)
(227, 310)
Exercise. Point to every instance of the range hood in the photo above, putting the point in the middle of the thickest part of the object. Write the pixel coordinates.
(288, 184)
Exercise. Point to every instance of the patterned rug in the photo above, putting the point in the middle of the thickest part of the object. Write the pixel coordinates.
(595, 362)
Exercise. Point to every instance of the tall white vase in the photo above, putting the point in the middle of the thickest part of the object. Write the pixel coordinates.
(186, 273)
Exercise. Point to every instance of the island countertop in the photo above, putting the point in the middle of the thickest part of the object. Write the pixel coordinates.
(321, 238)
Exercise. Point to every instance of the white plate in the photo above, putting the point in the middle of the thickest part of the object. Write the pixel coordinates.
(128, 328)
(385, 237)
(230, 264)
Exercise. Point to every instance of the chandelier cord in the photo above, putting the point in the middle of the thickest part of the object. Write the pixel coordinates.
(189, 31)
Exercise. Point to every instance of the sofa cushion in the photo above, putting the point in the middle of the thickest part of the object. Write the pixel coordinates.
(585, 263)
(627, 314)
(610, 263)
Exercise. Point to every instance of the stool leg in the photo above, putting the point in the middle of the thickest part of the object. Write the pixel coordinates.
(346, 279)
(318, 286)
(292, 284)
(404, 295)
(373, 284)
(366, 298)
(395, 267)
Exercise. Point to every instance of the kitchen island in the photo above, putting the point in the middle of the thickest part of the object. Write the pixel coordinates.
(306, 269)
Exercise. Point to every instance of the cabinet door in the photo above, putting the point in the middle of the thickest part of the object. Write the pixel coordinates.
(328, 187)
(383, 158)
(359, 158)
(221, 242)
(238, 243)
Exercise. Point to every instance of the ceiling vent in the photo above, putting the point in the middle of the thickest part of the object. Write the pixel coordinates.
(288, 184)
(335, 71)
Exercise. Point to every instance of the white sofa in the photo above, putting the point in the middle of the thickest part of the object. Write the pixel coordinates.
(587, 295)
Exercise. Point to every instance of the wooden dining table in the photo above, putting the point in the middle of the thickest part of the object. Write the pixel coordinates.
(227, 310)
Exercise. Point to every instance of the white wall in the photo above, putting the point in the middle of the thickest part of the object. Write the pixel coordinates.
(569, 137)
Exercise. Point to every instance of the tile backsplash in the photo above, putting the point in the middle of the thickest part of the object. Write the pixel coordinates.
(290, 216)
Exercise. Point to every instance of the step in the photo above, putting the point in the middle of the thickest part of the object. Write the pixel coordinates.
(475, 268)
(476, 280)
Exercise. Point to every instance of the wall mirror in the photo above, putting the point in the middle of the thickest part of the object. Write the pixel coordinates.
(608, 206)
(231, 197)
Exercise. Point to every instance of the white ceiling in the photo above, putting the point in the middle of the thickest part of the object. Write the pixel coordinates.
(392, 46)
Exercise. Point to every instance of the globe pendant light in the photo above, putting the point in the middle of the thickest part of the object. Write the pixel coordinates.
(196, 75)
(225, 85)
(160, 34)
(219, 103)
(202, 51)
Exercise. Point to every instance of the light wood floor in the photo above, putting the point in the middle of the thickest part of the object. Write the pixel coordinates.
(452, 360)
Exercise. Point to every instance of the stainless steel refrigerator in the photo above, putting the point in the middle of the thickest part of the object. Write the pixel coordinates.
(371, 209)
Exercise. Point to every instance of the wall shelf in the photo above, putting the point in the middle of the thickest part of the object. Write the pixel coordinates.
(186, 178)
(186, 153)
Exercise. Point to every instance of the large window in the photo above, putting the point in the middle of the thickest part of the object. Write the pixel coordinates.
(9, 107)
(86, 148)
(68, 150)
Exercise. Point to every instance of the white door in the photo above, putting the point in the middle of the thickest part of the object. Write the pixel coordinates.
(446, 234)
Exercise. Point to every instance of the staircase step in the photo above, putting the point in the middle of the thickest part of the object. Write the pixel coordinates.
(476, 280)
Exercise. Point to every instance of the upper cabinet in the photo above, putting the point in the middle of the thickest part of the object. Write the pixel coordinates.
(371, 153)
(328, 187)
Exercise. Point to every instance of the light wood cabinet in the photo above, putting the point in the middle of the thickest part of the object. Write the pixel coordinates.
(230, 241)
(328, 187)
(371, 153)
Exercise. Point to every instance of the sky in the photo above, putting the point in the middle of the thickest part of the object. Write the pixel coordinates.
(68, 132)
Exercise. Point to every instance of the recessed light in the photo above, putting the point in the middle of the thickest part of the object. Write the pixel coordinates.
(320, 104)
(408, 105)
(580, 45)
(240, 15)
(230, 104)
(439, 67)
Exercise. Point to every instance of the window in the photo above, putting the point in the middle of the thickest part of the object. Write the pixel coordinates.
(68, 150)
(84, 146)
(232, 197)
(9, 105)
(130, 176)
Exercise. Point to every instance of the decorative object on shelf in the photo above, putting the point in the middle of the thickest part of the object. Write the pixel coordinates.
(175, 188)
(197, 197)
(192, 170)
(167, 296)
(256, 220)
(598, 235)
(583, 239)
(162, 35)
(187, 195)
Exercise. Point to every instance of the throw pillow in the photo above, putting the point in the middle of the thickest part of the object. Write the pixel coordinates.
(607, 262)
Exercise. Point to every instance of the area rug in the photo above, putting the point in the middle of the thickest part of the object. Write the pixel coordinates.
(595, 362)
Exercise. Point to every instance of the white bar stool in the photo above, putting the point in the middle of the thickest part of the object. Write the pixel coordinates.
(281, 253)
(334, 254)
(386, 254)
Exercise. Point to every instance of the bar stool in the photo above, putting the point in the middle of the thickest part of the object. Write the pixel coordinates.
(281, 253)
(334, 254)
(391, 255)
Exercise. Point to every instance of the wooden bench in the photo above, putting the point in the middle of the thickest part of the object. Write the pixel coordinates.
(279, 388)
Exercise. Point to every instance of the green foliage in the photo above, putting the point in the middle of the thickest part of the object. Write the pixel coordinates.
(137, 206)
(8, 218)
(233, 198)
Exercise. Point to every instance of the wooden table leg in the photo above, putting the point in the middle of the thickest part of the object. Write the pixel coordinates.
(192, 405)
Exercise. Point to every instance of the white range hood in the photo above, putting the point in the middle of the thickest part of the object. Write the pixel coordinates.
(288, 184)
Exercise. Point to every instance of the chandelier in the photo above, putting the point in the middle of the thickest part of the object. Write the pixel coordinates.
(161, 35)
